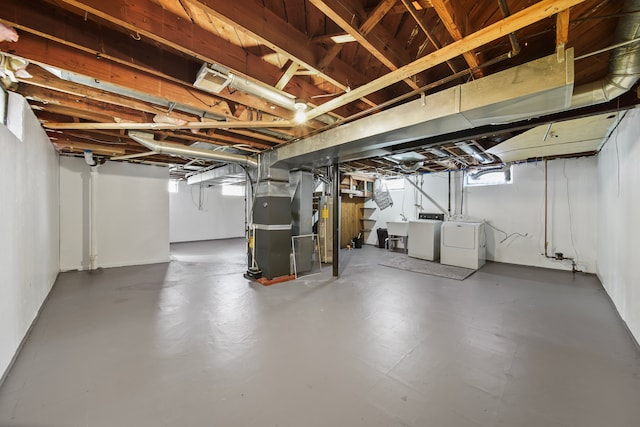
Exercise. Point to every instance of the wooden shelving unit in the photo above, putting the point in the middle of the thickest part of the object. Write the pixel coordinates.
(354, 190)
(366, 219)
(357, 186)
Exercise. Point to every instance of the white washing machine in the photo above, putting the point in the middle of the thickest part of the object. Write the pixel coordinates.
(463, 244)
(424, 239)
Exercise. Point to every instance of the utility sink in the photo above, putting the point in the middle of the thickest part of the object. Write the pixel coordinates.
(398, 228)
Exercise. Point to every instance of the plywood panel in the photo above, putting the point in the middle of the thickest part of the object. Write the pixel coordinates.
(350, 215)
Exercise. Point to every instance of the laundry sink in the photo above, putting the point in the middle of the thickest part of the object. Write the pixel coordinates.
(397, 228)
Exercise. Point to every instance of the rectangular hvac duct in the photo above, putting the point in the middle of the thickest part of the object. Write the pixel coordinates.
(231, 173)
(539, 87)
(583, 135)
(211, 80)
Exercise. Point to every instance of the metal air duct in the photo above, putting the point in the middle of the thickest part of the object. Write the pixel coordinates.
(146, 139)
(505, 168)
(624, 64)
(529, 90)
(209, 78)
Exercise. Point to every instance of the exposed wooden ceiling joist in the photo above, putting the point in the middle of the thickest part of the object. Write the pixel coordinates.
(562, 28)
(139, 59)
(281, 37)
(423, 26)
(379, 43)
(72, 31)
(449, 17)
(61, 99)
(525, 17)
(146, 21)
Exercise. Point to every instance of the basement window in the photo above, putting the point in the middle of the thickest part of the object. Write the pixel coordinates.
(233, 190)
(475, 179)
(394, 183)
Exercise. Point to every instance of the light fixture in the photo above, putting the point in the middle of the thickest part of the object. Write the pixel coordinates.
(300, 106)
(342, 38)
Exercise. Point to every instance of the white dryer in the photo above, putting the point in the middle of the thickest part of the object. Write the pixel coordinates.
(424, 239)
(463, 244)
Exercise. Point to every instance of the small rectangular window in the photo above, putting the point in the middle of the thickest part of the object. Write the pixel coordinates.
(488, 177)
(395, 183)
(233, 190)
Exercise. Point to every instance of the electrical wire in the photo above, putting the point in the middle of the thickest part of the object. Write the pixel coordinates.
(201, 198)
(506, 236)
(616, 129)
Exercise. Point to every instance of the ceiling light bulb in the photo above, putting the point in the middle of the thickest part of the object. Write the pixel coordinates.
(300, 116)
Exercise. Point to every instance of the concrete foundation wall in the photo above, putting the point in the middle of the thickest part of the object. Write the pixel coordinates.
(29, 252)
(518, 210)
(205, 214)
(618, 225)
(132, 214)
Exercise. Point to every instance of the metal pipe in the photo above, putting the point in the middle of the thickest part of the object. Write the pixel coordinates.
(505, 168)
(114, 88)
(515, 46)
(606, 49)
(261, 90)
(146, 139)
(443, 210)
(624, 64)
(134, 156)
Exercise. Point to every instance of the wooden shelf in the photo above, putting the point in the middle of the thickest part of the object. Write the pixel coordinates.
(357, 186)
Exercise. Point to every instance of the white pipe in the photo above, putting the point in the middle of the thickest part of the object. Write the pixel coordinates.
(443, 210)
(93, 227)
(88, 157)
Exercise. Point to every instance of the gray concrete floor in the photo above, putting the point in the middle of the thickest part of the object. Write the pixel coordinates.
(193, 343)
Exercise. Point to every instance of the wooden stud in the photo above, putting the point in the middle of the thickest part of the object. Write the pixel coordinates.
(525, 17)
(335, 10)
(562, 28)
(447, 15)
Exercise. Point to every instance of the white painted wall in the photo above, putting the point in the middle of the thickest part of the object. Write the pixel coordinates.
(205, 214)
(409, 202)
(29, 253)
(132, 214)
(618, 225)
(518, 208)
